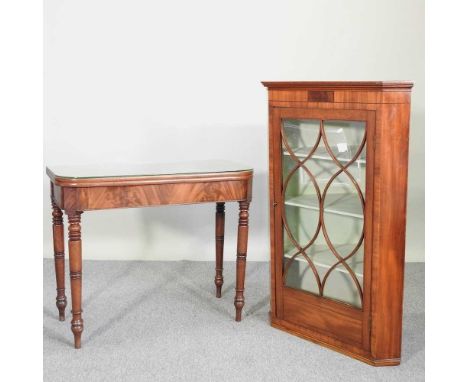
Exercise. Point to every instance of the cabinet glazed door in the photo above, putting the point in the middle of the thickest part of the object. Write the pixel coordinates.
(323, 199)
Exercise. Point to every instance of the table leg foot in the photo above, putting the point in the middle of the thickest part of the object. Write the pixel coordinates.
(61, 316)
(59, 259)
(74, 247)
(219, 247)
(77, 329)
(242, 238)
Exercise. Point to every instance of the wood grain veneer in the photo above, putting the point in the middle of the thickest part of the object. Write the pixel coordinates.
(75, 195)
(372, 333)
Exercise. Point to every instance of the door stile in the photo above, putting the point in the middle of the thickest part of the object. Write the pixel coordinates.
(278, 205)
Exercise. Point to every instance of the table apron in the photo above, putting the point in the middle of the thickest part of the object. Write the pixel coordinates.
(107, 197)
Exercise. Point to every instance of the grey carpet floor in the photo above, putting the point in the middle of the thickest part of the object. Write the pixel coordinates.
(160, 321)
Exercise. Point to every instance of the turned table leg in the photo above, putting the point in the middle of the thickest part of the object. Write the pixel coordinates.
(74, 248)
(242, 237)
(59, 259)
(219, 247)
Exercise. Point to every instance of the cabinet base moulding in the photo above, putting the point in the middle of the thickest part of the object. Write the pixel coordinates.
(328, 342)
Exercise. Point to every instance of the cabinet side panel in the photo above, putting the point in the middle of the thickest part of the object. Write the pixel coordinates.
(390, 184)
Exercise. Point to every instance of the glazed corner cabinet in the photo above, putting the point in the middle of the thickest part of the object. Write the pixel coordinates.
(338, 178)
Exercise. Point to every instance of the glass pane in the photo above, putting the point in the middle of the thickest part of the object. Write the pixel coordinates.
(102, 170)
(324, 195)
(339, 285)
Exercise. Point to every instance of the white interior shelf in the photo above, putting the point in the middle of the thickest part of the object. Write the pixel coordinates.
(322, 257)
(340, 204)
(321, 153)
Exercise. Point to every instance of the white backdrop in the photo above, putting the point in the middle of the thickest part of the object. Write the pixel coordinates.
(149, 81)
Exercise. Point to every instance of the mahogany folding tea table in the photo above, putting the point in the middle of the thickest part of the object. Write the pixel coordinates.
(75, 189)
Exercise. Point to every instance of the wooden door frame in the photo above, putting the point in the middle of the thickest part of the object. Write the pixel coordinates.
(277, 287)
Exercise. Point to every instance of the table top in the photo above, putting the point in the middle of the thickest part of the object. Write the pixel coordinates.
(143, 170)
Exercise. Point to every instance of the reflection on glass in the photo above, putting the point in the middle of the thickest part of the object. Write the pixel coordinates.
(109, 170)
(324, 166)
